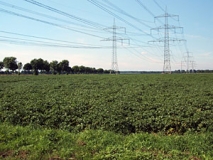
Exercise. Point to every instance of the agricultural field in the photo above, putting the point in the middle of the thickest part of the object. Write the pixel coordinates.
(149, 116)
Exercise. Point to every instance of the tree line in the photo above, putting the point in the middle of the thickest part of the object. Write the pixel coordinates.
(36, 66)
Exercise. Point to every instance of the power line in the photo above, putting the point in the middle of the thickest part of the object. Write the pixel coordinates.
(42, 6)
(118, 17)
(143, 6)
(108, 7)
(90, 23)
(37, 37)
(115, 8)
(46, 22)
(39, 14)
(100, 5)
(159, 5)
(23, 41)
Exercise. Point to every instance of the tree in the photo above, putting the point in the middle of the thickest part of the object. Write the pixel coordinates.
(40, 64)
(88, 70)
(46, 66)
(106, 71)
(10, 63)
(94, 70)
(1, 65)
(59, 69)
(54, 66)
(82, 69)
(64, 65)
(69, 70)
(75, 69)
(19, 67)
(35, 66)
(27, 67)
(100, 70)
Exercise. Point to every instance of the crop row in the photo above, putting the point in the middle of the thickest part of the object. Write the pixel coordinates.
(124, 103)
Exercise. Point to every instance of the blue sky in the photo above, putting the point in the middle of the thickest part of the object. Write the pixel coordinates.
(20, 17)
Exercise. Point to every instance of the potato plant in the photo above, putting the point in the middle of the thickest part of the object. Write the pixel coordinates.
(171, 104)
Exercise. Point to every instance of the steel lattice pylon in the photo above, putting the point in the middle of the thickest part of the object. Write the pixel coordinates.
(114, 39)
(166, 40)
(114, 65)
(167, 65)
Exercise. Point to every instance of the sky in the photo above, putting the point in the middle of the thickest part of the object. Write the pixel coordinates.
(81, 31)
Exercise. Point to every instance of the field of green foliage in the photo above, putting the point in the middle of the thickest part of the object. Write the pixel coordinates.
(106, 116)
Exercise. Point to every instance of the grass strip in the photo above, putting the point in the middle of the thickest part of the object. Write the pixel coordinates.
(31, 143)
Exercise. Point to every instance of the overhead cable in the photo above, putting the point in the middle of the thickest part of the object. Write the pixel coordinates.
(46, 22)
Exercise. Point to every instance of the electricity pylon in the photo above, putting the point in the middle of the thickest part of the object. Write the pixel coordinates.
(188, 57)
(193, 65)
(114, 39)
(188, 61)
(166, 39)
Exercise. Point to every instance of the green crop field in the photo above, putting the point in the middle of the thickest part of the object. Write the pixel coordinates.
(150, 116)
